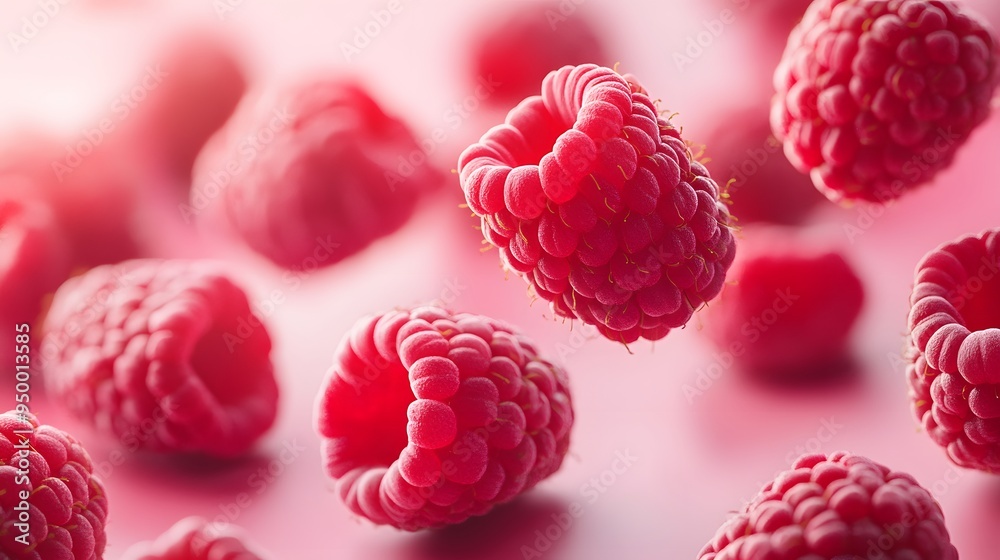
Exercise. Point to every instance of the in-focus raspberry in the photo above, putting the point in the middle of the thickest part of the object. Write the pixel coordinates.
(194, 538)
(165, 355)
(320, 173)
(837, 507)
(875, 98)
(67, 507)
(760, 184)
(517, 49)
(598, 203)
(954, 349)
(429, 418)
(790, 307)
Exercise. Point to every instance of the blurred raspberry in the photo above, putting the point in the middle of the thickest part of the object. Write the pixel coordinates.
(165, 355)
(764, 187)
(790, 308)
(195, 538)
(89, 188)
(199, 80)
(837, 508)
(429, 418)
(49, 472)
(319, 174)
(599, 205)
(34, 258)
(954, 357)
(875, 98)
(518, 48)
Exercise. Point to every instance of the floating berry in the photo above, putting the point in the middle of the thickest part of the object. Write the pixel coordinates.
(319, 174)
(165, 355)
(760, 183)
(517, 49)
(598, 204)
(790, 307)
(195, 538)
(429, 418)
(832, 508)
(48, 472)
(875, 98)
(954, 358)
(34, 258)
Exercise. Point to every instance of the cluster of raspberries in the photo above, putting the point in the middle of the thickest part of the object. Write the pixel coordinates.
(597, 202)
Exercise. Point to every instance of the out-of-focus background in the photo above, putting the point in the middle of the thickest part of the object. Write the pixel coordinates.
(701, 437)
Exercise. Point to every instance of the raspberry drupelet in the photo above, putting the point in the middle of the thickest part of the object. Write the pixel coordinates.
(67, 505)
(164, 355)
(837, 507)
(954, 349)
(599, 205)
(429, 418)
(194, 538)
(875, 98)
(314, 170)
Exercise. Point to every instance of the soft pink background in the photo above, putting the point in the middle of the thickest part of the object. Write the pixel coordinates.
(697, 460)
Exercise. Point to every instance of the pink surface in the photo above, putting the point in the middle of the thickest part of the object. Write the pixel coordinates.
(698, 446)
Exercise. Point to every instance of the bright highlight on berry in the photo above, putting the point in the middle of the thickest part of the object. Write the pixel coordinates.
(429, 418)
(597, 202)
(195, 538)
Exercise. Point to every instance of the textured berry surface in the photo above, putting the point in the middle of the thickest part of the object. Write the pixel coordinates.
(517, 49)
(334, 176)
(67, 505)
(429, 418)
(841, 507)
(760, 184)
(34, 258)
(790, 307)
(165, 355)
(598, 204)
(954, 349)
(875, 98)
(195, 538)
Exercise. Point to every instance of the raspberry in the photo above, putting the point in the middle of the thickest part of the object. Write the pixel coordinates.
(203, 81)
(519, 48)
(164, 354)
(954, 336)
(34, 257)
(195, 538)
(764, 187)
(598, 204)
(790, 307)
(875, 98)
(841, 507)
(429, 418)
(331, 175)
(67, 506)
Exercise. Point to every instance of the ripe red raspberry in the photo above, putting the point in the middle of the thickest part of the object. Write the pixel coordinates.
(516, 50)
(48, 471)
(761, 185)
(598, 204)
(319, 174)
(841, 507)
(875, 98)
(194, 538)
(34, 258)
(954, 358)
(429, 418)
(790, 307)
(166, 355)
